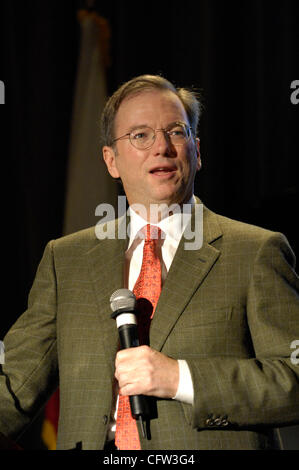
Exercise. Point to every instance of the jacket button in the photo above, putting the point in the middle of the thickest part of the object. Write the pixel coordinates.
(210, 422)
(218, 421)
(105, 419)
(224, 421)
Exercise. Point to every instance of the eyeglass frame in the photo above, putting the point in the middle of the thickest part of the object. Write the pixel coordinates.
(165, 131)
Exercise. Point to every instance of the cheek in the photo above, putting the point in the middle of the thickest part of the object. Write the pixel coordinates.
(189, 165)
(123, 165)
(130, 174)
(130, 162)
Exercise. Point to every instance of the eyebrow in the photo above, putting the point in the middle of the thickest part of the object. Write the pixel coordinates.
(140, 126)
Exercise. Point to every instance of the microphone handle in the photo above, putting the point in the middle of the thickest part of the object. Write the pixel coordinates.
(128, 336)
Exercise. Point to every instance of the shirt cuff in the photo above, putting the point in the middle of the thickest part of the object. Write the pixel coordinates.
(185, 391)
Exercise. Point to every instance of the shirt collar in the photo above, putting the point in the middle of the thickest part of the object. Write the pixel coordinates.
(172, 226)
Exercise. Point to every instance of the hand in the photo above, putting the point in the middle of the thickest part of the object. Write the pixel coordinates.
(144, 371)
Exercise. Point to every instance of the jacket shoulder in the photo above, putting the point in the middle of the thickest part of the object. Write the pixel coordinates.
(83, 240)
(245, 235)
(236, 228)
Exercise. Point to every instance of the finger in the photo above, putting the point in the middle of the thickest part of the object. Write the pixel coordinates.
(131, 353)
(138, 387)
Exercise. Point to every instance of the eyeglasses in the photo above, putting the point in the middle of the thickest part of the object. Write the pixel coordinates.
(144, 137)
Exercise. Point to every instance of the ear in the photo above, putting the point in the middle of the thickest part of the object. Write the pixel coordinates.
(197, 143)
(110, 160)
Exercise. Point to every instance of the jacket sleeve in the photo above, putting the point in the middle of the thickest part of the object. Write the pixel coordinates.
(29, 374)
(263, 389)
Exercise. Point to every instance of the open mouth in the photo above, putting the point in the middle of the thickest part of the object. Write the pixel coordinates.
(163, 170)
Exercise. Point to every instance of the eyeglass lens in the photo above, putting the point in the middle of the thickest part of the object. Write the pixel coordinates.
(145, 136)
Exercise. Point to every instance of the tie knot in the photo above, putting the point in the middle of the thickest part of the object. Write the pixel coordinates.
(152, 232)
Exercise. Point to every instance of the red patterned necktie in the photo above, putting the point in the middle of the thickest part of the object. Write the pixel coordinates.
(147, 291)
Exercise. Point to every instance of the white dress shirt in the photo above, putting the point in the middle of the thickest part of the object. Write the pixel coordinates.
(172, 228)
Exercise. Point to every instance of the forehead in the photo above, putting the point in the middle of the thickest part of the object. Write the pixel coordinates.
(151, 107)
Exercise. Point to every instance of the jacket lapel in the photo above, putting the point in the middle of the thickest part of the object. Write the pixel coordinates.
(187, 272)
(106, 263)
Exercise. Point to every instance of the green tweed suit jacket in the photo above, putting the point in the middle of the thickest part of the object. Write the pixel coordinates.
(230, 309)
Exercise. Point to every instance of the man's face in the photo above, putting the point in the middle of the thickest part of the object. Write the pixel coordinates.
(163, 173)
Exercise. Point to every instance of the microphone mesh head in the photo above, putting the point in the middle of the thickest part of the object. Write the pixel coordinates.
(122, 298)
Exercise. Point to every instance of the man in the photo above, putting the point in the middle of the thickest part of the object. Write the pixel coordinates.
(217, 362)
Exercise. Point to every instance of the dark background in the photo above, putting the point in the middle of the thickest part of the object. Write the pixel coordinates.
(242, 55)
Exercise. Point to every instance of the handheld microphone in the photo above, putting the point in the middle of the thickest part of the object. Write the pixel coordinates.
(123, 306)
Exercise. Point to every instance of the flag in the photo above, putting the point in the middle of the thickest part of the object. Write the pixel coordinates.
(88, 181)
(50, 423)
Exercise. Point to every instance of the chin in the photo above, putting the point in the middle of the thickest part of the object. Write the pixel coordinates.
(168, 200)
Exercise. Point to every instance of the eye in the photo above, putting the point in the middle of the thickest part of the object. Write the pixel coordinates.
(177, 131)
(140, 134)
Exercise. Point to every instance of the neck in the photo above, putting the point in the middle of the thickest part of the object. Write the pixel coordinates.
(154, 213)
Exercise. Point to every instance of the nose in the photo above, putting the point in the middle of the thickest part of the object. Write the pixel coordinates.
(162, 144)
